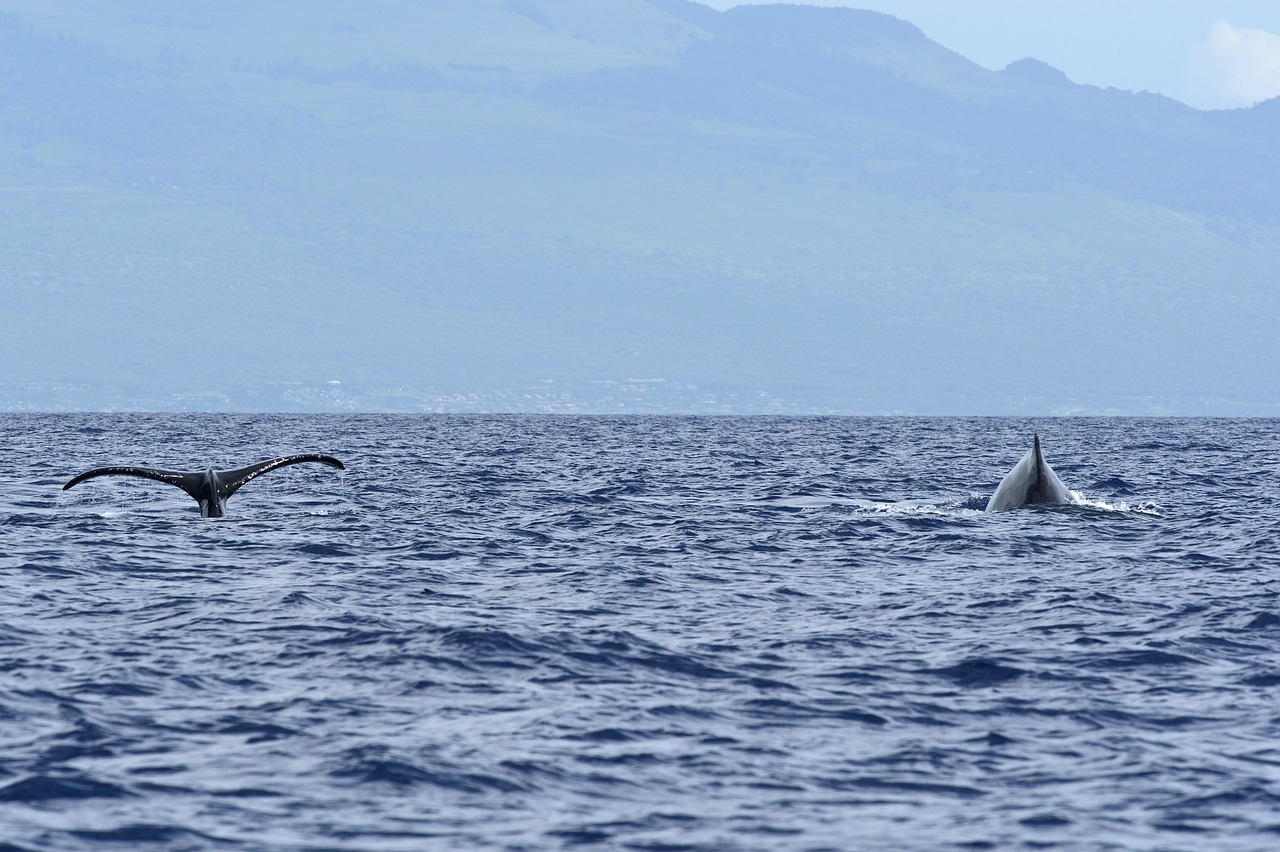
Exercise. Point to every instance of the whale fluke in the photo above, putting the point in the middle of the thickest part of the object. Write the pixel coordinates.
(1030, 481)
(210, 488)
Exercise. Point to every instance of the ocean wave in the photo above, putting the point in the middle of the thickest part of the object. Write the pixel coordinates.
(641, 633)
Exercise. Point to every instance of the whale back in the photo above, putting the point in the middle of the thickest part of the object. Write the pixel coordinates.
(1032, 480)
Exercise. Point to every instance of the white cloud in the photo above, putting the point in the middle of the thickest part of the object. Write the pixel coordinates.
(1235, 66)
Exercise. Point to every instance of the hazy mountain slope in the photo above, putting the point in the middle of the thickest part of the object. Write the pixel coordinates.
(821, 206)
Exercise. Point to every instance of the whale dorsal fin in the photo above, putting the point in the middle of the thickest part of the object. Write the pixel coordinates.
(229, 481)
(1031, 480)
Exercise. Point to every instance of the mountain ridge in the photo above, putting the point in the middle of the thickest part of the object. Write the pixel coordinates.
(772, 208)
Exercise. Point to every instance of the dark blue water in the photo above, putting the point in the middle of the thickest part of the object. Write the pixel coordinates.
(640, 633)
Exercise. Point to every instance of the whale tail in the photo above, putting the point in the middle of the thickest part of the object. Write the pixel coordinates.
(230, 481)
(209, 488)
(188, 482)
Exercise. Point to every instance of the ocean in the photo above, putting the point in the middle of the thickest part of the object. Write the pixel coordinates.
(641, 633)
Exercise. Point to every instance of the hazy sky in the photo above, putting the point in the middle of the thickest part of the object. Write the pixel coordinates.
(1211, 55)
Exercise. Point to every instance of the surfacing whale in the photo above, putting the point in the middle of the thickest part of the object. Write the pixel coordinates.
(1030, 481)
(210, 488)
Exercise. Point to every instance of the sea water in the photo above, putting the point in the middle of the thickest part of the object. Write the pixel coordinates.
(706, 633)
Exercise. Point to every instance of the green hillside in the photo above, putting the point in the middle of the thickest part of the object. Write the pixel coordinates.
(532, 205)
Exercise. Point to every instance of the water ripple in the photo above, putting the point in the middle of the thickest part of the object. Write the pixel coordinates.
(644, 633)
